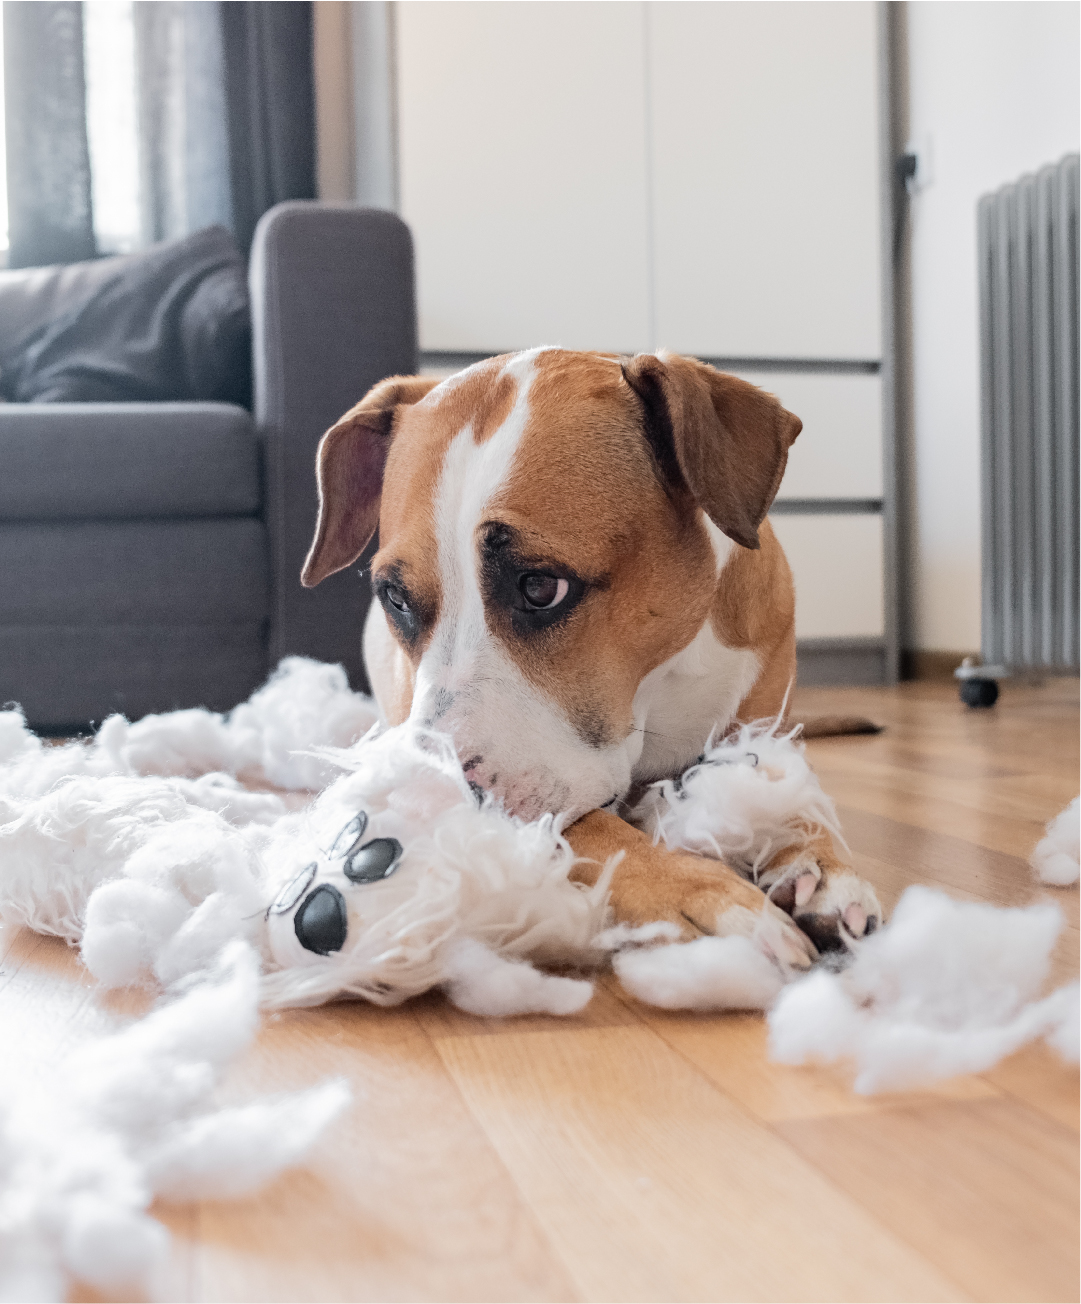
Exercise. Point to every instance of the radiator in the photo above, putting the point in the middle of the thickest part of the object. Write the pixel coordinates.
(1029, 421)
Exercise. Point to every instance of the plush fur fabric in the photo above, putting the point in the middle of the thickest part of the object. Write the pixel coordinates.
(116, 847)
(749, 796)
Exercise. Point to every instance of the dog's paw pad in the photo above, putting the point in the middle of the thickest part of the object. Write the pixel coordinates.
(843, 909)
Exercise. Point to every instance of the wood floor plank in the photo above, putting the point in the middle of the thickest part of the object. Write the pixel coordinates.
(1025, 801)
(441, 1019)
(1039, 1076)
(988, 1190)
(731, 1050)
(652, 1185)
(405, 1200)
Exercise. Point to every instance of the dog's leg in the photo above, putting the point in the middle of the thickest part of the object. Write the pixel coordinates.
(698, 895)
(821, 892)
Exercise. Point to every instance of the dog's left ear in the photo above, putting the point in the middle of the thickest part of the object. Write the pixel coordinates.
(349, 470)
(717, 437)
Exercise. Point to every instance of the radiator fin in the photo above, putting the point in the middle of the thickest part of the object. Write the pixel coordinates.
(1027, 242)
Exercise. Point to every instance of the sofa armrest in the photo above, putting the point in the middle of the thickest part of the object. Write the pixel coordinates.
(333, 312)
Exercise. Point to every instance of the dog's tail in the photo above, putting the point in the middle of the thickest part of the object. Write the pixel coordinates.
(835, 726)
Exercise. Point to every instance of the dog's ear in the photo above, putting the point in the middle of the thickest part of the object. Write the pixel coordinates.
(349, 470)
(714, 436)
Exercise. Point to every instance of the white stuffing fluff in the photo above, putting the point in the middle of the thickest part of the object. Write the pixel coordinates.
(1057, 856)
(481, 982)
(83, 1152)
(748, 797)
(710, 973)
(272, 738)
(948, 987)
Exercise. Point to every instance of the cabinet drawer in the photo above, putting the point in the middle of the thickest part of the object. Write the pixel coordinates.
(837, 565)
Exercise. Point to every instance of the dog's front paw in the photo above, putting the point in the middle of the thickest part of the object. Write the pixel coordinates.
(771, 930)
(829, 902)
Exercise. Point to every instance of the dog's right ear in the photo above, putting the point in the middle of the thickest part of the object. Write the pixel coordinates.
(349, 470)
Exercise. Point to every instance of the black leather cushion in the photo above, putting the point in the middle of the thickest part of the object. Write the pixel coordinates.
(172, 323)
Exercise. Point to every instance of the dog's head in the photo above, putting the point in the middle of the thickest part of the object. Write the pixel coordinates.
(551, 525)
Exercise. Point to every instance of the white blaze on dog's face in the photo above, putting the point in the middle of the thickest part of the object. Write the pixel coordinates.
(542, 549)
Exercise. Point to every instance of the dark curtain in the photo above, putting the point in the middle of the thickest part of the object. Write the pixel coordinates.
(226, 113)
(48, 163)
(271, 107)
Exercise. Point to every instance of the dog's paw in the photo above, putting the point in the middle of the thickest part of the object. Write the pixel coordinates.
(829, 902)
(771, 930)
(841, 909)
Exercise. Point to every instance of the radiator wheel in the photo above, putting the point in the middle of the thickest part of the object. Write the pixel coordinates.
(979, 692)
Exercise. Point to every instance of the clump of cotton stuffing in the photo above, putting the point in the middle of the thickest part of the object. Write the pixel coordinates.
(947, 987)
(1056, 858)
(710, 973)
(84, 1152)
(273, 738)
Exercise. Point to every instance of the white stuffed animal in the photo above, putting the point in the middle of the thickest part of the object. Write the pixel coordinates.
(392, 881)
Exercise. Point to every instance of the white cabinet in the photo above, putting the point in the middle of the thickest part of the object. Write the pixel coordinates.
(522, 172)
(837, 565)
(701, 176)
(765, 183)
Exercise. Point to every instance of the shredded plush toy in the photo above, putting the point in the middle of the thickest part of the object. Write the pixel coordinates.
(393, 880)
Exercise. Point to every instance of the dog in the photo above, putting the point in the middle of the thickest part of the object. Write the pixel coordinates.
(576, 581)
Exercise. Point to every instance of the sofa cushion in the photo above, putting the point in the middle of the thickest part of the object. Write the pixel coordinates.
(113, 461)
(173, 322)
(33, 296)
(134, 572)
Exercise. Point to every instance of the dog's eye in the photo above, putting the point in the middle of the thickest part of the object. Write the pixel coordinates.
(396, 597)
(542, 592)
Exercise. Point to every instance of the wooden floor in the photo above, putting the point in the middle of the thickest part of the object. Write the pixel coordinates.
(628, 1154)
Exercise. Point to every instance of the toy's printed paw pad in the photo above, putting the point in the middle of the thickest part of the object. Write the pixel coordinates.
(367, 863)
(348, 840)
(842, 909)
(322, 922)
(293, 890)
(376, 860)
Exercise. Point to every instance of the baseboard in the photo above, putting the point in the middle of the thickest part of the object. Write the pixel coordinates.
(836, 662)
(919, 664)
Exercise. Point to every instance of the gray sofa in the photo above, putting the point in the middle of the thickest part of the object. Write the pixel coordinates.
(150, 552)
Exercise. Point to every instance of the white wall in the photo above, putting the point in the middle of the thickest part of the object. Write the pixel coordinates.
(995, 87)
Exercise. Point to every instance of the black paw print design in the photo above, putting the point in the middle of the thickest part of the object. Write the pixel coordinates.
(322, 922)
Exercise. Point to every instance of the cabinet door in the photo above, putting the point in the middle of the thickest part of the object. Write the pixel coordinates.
(522, 154)
(765, 182)
(837, 568)
(839, 450)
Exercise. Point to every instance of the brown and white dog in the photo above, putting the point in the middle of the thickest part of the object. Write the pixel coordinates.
(576, 581)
